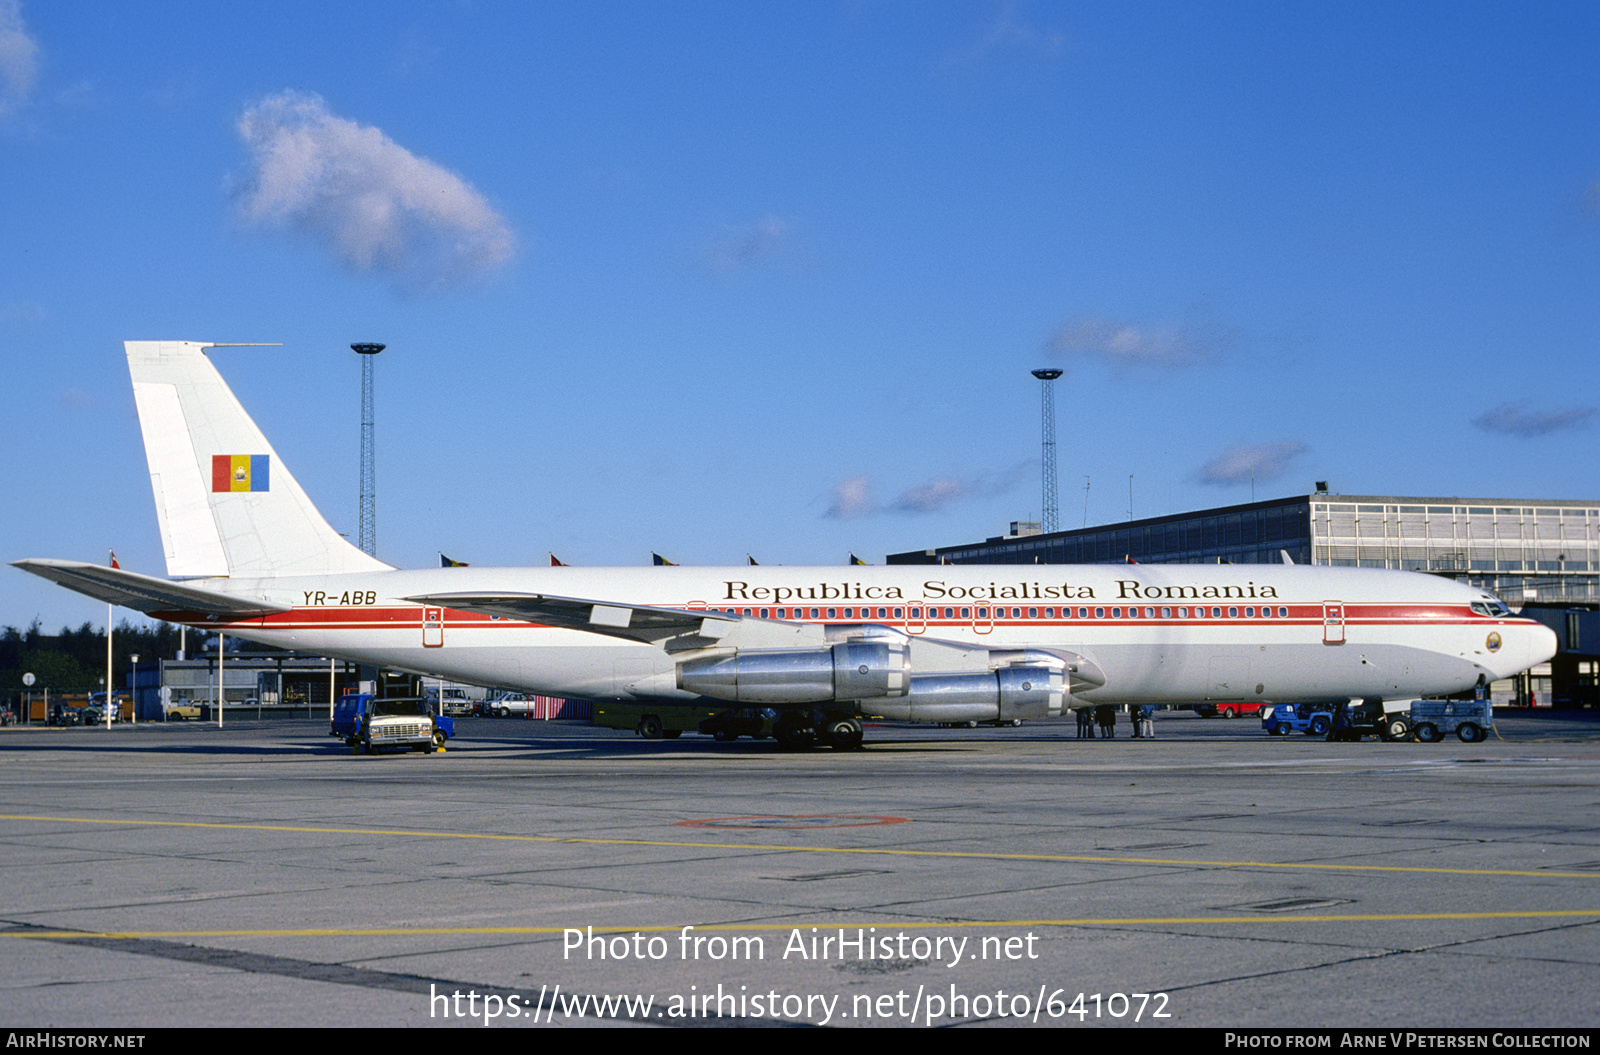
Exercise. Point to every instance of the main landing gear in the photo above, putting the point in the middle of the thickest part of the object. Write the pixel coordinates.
(796, 732)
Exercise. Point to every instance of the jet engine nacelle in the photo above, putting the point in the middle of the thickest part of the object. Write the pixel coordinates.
(1010, 692)
(851, 670)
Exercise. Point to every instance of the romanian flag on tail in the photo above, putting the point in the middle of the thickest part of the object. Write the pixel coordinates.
(554, 563)
(662, 562)
(446, 562)
(239, 472)
(854, 560)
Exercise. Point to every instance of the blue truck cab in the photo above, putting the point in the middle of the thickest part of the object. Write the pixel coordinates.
(367, 723)
(1309, 718)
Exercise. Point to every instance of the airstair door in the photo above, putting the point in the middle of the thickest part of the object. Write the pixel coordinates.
(1333, 622)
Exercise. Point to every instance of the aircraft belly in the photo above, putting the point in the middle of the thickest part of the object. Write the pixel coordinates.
(1412, 661)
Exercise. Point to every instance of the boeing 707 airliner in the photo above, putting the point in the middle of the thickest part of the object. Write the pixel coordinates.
(248, 554)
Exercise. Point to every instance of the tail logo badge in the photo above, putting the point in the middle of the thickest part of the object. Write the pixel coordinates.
(240, 472)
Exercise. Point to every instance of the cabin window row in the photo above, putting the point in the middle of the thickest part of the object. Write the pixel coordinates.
(933, 612)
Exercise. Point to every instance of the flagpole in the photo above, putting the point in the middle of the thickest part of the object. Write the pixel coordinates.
(221, 638)
(110, 611)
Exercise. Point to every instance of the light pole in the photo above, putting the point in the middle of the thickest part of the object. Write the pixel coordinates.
(367, 533)
(1047, 413)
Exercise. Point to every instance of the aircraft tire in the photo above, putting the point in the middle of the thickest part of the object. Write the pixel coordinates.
(843, 734)
(793, 733)
(1428, 733)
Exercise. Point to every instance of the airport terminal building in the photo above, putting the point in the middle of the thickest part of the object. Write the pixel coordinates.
(1539, 555)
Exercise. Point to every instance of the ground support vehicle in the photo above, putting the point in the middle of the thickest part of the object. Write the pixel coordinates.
(1470, 720)
(754, 722)
(1309, 718)
(653, 721)
(368, 724)
(1353, 720)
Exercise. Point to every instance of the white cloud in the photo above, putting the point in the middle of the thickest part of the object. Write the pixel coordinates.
(1245, 462)
(1518, 419)
(854, 497)
(739, 246)
(19, 57)
(1125, 344)
(374, 204)
(1011, 30)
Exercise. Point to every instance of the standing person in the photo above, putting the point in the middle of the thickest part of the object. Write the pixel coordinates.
(1147, 722)
(1135, 714)
(1106, 716)
(1085, 724)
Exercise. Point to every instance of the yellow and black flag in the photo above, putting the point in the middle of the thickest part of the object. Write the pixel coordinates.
(446, 562)
(854, 560)
(662, 562)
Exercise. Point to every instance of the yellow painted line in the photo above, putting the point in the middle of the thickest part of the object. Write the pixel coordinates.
(867, 850)
(880, 926)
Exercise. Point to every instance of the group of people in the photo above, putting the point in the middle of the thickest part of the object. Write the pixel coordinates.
(1105, 717)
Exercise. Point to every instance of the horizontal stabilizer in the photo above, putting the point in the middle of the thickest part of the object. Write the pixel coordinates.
(145, 593)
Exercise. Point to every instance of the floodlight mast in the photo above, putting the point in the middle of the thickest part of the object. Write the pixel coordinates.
(1051, 512)
(367, 533)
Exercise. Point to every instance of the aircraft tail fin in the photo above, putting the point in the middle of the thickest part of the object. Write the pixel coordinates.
(227, 505)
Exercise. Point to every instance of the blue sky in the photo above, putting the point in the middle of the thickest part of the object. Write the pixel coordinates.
(712, 279)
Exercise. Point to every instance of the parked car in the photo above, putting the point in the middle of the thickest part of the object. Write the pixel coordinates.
(1229, 710)
(183, 711)
(449, 702)
(507, 704)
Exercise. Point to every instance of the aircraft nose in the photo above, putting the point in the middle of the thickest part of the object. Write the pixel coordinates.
(1542, 644)
(1530, 644)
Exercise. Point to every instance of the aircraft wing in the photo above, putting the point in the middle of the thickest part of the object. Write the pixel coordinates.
(673, 629)
(145, 593)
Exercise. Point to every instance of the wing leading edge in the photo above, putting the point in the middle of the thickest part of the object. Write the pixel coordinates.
(145, 593)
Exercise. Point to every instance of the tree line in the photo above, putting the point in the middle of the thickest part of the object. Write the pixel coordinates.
(75, 660)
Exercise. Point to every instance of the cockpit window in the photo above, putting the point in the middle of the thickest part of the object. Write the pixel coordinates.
(1493, 609)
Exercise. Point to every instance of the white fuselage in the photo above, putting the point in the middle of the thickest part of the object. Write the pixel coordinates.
(1159, 633)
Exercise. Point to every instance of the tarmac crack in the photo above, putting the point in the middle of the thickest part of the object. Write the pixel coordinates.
(342, 974)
